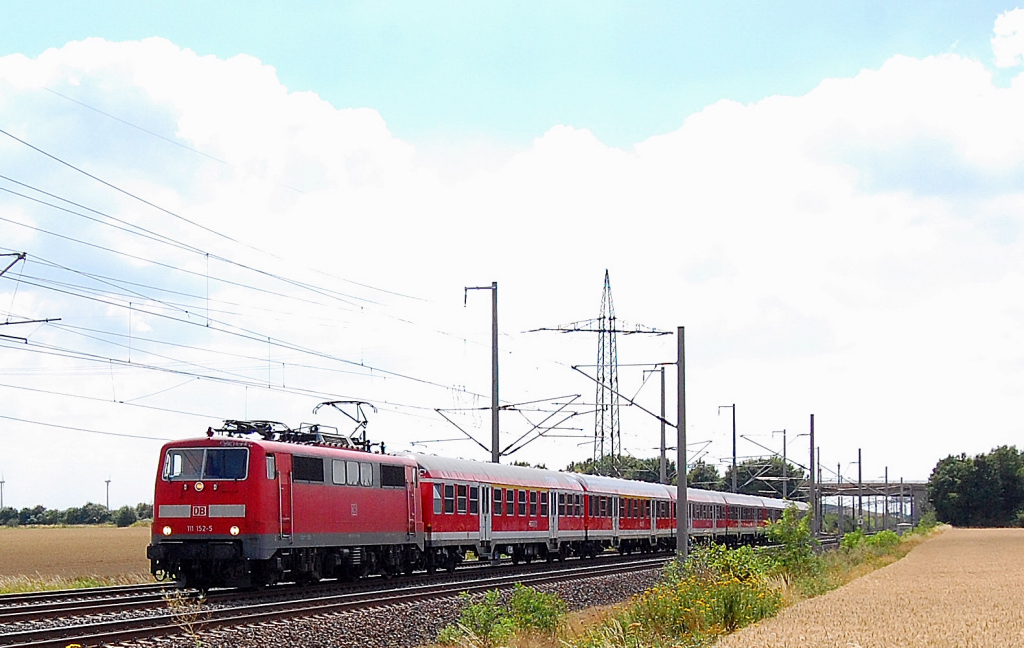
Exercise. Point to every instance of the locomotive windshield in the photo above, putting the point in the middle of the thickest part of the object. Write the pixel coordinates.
(206, 463)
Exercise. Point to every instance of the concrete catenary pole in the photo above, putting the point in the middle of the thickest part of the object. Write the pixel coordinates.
(839, 493)
(860, 491)
(885, 511)
(495, 449)
(812, 495)
(734, 489)
(662, 463)
(682, 504)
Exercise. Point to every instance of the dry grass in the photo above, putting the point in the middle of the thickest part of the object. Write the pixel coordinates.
(51, 557)
(960, 588)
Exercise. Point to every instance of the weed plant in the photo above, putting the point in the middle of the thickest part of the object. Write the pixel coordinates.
(489, 622)
(716, 591)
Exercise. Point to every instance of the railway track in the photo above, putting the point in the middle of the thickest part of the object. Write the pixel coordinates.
(54, 623)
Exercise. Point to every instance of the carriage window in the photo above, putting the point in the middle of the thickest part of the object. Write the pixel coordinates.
(561, 504)
(352, 473)
(449, 498)
(462, 498)
(601, 506)
(497, 501)
(309, 469)
(365, 474)
(474, 500)
(544, 504)
(522, 503)
(579, 505)
(533, 503)
(392, 475)
(510, 502)
(437, 499)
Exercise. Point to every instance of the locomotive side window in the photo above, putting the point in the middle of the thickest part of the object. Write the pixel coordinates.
(449, 498)
(510, 502)
(474, 499)
(497, 501)
(271, 467)
(308, 469)
(392, 475)
(352, 473)
(462, 498)
(338, 471)
(437, 499)
(365, 474)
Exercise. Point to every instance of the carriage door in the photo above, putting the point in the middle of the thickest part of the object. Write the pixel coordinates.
(285, 498)
(614, 504)
(485, 514)
(552, 515)
(410, 495)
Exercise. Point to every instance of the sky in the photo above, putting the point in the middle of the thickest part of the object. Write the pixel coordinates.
(240, 211)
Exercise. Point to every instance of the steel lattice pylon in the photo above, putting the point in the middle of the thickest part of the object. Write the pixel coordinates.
(606, 423)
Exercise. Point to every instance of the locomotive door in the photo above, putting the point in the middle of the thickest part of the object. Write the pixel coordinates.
(485, 513)
(410, 491)
(285, 498)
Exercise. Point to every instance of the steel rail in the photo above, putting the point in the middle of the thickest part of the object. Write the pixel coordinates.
(124, 630)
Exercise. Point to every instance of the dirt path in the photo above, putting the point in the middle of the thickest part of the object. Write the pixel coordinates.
(73, 551)
(964, 588)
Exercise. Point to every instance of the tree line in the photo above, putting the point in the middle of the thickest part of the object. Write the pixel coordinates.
(761, 477)
(986, 490)
(88, 514)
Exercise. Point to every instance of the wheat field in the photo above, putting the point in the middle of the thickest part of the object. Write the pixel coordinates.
(70, 552)
(963, 588)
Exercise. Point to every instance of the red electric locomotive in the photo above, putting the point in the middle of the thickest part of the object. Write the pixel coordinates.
(261, 503)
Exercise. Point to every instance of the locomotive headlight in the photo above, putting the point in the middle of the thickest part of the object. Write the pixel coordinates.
(200, 486)
(167, 530)
(234, 530)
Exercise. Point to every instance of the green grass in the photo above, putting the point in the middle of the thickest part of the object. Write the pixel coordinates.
(22, 584)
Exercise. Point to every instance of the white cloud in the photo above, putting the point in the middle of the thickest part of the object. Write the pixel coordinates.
(855, 252)
(1008, 42)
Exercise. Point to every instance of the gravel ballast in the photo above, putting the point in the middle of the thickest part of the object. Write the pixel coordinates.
(409, 624)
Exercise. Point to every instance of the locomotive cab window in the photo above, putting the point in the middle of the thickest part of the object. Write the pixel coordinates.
(206, 463)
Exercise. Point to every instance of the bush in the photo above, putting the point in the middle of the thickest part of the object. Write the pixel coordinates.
(533, 610)
(852, 540)
(882, 540)
(793, 533)
(125, 516)
(490, 623)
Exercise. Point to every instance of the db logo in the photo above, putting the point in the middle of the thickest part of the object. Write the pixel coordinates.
(198, 511)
